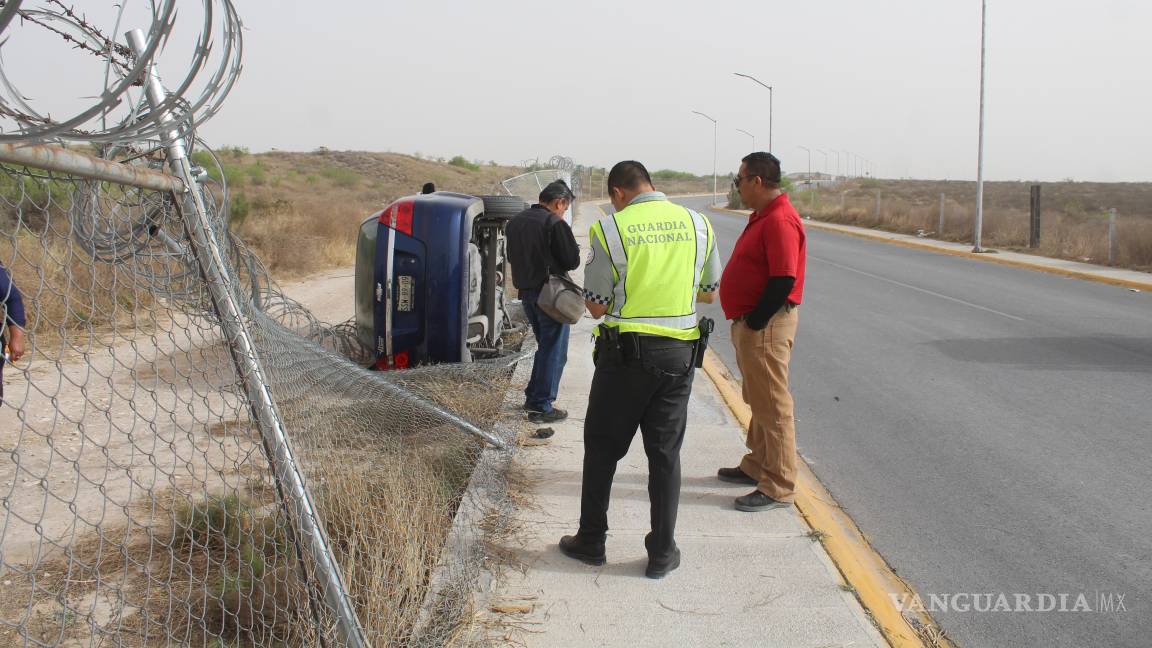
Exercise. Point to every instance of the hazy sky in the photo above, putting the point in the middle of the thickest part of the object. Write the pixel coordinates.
(894, 81)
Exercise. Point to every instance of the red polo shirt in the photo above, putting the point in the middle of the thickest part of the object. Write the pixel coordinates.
(773, 244)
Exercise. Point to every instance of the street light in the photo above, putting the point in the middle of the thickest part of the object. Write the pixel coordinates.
(748, 76)
(715, 125)
(825, 160)
(809, 165)
(749, 135)
(980, 146)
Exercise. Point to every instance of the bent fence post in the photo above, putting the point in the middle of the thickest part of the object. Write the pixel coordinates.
(289, 480)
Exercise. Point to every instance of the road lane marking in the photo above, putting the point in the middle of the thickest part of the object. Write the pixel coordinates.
(919, 289)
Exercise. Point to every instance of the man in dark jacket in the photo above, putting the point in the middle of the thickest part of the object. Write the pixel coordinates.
(540, 244)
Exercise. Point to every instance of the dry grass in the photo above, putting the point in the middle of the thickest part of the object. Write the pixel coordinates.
(1074, 222)
(301, 211)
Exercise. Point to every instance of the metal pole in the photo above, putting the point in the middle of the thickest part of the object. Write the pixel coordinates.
(825, 160)
(979, 224)
(749, 76)
(1112, 242)
(940, 227)
(715, 126)
(877, 204)
(232, 320)
(809, 165)
(770, 109)
(749, 135)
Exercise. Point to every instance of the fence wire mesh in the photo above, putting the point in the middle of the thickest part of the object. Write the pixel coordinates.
(144, 499)
(138, 504)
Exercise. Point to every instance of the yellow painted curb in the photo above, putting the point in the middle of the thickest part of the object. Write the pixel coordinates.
(990, 258)
(865, 571)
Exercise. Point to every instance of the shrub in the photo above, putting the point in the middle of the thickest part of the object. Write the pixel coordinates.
(460, 161)
(669, 174)
(341, 177)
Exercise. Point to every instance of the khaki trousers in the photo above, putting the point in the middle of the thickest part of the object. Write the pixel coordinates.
(763, 360)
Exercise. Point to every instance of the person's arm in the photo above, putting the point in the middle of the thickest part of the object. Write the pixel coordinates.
(599, 276)
(565, 250)
(771, 301)
(781, 241)
(710, 276)
(14, 320)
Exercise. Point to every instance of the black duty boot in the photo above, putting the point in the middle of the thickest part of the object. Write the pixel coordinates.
(659, 567)
(586, 551)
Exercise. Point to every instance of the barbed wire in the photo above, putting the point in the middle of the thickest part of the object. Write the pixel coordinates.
(117, 117)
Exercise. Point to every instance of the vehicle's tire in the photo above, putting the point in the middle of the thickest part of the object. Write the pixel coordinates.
(503, 206)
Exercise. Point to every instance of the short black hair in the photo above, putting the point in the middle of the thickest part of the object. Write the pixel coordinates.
(556, 190)
(764, 165)
(628, 174)
(429, 187)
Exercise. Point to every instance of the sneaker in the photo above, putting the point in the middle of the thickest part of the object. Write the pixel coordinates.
(660, 569)
(735, 476)
(589, 553)
(551, 416)
(756, 501)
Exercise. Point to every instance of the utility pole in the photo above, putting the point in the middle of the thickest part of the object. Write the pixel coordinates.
(749, 135)
(749, 76)
(979, 224)
(715, 126)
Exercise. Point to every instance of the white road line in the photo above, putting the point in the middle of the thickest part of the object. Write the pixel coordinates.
(918, 289)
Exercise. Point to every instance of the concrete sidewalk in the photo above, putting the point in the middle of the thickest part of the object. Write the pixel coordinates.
(746, 579)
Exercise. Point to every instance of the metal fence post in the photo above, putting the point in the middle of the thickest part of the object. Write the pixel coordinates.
(1112, 236)
(1034, 217)
(878, 204)
(289, 480)
(940, 227)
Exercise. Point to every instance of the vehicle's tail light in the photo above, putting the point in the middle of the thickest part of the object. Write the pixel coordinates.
(399, 216)
(398, 361)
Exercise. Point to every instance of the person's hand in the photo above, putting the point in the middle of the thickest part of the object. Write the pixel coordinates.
(755, 323)
(16, 343)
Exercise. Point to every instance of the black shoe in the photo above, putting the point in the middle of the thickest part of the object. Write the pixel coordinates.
(660, 569)
(735, 476)
(589, 553)
(551, 416)
(757, 501)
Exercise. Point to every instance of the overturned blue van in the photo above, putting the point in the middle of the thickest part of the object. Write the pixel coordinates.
(430, 272)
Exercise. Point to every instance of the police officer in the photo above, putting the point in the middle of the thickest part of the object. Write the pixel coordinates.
(649, 263)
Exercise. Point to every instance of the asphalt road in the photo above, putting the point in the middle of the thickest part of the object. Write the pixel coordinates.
(989, 428)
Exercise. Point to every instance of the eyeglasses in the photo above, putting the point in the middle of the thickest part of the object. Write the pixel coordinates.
(737, 180)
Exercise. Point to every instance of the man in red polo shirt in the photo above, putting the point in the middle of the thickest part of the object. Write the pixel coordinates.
(760, 291)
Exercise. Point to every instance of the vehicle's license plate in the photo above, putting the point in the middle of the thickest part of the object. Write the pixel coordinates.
(404, 293)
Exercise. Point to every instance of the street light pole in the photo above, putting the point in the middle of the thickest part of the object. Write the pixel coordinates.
(978, 226)
(825, 160)
(749, 135)
(749, 76)
(809, 165)
(715, 126)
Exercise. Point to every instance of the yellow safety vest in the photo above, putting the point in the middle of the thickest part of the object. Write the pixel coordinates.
(658, 250)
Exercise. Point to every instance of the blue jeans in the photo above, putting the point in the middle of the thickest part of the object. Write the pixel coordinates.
(551, 354)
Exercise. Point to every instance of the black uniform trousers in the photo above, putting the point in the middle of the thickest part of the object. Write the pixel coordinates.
(650, 392)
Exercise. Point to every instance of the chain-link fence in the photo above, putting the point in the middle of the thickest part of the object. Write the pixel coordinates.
(528, 185)
(187, 455)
